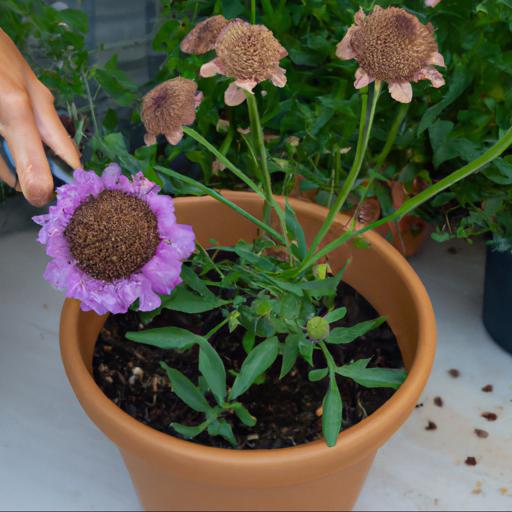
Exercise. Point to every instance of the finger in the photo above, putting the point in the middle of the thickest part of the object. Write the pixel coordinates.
(7, 176)
(50, 126)
(18, 126)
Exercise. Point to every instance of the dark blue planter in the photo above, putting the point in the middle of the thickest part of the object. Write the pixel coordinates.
(497, 311)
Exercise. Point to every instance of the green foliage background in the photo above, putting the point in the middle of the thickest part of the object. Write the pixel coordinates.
(443, 128)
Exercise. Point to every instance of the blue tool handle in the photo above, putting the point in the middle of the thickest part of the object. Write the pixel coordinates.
(62, 172)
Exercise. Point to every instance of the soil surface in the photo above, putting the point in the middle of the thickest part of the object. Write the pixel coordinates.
(287, 411)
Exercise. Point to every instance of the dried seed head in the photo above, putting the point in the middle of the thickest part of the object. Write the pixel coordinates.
(169, 106)
(248, 52)
(113, 235)
(392, 45)
(201, 39)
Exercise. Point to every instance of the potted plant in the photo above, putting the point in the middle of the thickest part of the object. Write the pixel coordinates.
(261, 349)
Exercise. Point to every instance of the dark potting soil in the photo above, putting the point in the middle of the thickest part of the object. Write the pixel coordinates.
(288, 411)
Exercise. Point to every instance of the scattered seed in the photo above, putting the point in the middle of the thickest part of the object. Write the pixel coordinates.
(454, 373)
(490, 416)
(483, 434)
(487, 388)
(319, 411)
(419, 405)
(253, 437)
(470, 461)
(138, 372)
(107, 348)
(431, 426)
(438, 401)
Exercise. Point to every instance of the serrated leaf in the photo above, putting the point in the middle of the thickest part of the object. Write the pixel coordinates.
(166, 338)
(260, 358)
(290, 353)
(186, 390)
(372, 377)
(332, 412)
(343, 335)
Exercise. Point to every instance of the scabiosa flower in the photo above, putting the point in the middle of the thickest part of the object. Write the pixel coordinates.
(113, 241)
(201, 39)
(168, 107)
(248, 53)
(392, 45)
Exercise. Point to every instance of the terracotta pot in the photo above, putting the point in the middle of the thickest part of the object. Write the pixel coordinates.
(172, 474)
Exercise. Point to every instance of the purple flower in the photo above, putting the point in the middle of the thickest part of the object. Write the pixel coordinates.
(113, 241)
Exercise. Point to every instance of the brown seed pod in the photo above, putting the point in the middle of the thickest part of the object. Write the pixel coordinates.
(248, 52)
(201, 39)
(392, 45)
(168, 107)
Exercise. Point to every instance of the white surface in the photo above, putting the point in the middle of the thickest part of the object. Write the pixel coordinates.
(53, 458)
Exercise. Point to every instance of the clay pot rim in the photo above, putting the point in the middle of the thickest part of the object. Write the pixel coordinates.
(353, 443)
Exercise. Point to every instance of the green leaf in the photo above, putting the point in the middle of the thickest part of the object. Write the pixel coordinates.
(306, 349)
(332, 412)
(290, 353)
(319, 374)
(457, 85)
(343, 335)
(186, 390)
(295, 229)
(243, 414)
(372, 377)
(189, 432)
(248, 341)
(212, 369)
(257, 362)
(222, 428)
(165, 337)
(186, 301)
(336, 314)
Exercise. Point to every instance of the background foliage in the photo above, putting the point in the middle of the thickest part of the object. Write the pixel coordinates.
(441, 130)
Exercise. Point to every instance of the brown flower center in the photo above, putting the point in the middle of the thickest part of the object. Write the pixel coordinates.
(392, 45)
(112, 236)
(169, 106)
(248, 52)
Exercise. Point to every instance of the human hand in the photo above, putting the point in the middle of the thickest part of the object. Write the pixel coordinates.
(27, 120)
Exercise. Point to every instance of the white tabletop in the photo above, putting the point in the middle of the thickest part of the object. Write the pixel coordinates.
(52, 457)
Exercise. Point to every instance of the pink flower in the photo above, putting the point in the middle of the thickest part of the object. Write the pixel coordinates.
(114, 241)
(248, 53)
(392, 45)
(168, 107)
(431, 3)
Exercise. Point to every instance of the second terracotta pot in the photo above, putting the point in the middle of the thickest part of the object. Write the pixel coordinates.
(172, 474)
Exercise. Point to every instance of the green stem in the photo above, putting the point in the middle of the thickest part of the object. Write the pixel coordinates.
(229, 165)
(331, 364)
(219, 326)
(219, 197)
(91, 103)
(362, 144)
(393, 132)
(494, 152)
(259, 142)
(253, 11)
